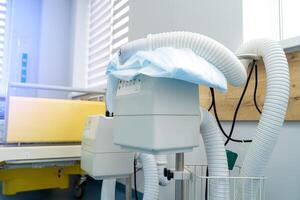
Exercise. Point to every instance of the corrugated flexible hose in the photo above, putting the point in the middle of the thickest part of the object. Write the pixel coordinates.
(273, 112)
(207, 48)
(161, 161)
(216, 157)
(151, 187)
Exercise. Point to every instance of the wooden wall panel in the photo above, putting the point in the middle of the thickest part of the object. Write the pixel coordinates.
(227, 102)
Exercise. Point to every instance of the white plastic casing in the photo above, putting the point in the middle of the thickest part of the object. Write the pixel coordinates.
(157, 115)
(100, 158)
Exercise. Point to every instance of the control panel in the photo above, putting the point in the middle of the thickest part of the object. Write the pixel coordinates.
(129, 87)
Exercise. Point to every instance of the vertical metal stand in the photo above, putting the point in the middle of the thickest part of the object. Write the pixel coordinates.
(128, 187)
(179, 184)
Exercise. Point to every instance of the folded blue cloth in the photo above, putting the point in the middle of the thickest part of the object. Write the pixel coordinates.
(166, 62)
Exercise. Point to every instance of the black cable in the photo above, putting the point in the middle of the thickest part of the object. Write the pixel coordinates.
(206, 184)
(134, 178)
(239, 103)
(229, 137)
(211, 105)
(219, 123)
(255, 90)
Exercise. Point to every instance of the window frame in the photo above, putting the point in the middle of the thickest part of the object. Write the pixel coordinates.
(119, 10)
(291, 43)
(6, 50)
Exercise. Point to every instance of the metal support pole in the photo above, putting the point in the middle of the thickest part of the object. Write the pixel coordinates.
(53, 88)
(128, 188)
(179, 184)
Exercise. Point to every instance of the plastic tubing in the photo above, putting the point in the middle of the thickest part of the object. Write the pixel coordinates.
(161, 161)
(151, 187)
(108, 189)
(209, 49)
(216, 157)
(273, 112)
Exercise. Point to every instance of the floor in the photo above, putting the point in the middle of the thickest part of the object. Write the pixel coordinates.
(92, 192)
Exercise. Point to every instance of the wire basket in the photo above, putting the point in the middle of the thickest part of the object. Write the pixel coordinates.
(240, 188)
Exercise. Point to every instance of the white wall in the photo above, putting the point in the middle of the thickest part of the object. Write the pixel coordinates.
(221, 20)
(42, 29)
(55, 44)
(79, 54)
(25, 38)
(261, 19)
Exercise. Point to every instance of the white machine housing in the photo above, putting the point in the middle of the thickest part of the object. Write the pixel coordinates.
(100, 158)
(156, 115)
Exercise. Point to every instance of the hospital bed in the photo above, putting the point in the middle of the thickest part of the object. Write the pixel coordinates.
(41, 137)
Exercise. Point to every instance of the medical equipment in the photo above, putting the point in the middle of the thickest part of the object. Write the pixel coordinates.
(179, 98)
(100, 158)
(156, 115)
(272, 114)
(165, 62)
(145, 121)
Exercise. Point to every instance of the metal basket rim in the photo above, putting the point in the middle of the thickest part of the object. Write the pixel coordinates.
(232, 177)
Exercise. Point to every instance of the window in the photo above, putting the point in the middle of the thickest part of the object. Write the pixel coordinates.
(108, 30)
(276, 19)
(3, 14)
(290, 18)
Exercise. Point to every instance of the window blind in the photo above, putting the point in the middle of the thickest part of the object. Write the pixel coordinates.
(108, 30)
(3, 16)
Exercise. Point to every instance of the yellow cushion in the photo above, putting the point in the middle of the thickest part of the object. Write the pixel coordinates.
(49, 120)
